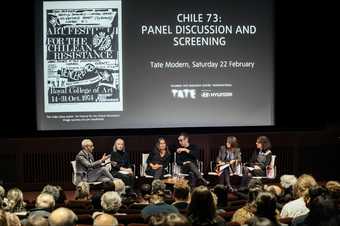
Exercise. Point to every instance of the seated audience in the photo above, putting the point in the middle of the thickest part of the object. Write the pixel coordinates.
(52, 190)
(43, 207)
(277, 191)
(105, 220)
(8, 219)
(266, 207)
(181, 195)
(111, 202)
(222, 196)
(82, 191)
(15, 201)
(37, 220)
(202, 208)
(322, 209)
(119, 186)
(62, 217)
(62, 196)
(172, 219)
(245, 213)
(287, 183)
(298, 207)
(143, 198)
(157, 205)
(96, 198)
(333, 188)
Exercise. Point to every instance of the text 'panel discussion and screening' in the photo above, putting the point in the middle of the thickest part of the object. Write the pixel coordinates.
(187, 113)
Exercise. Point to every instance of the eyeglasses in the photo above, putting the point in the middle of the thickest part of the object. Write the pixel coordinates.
(180, 140)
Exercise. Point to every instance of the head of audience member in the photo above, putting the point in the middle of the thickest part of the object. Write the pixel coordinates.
(145, 191)
(172, 219)
(105, 219)
(108, 186)
(8, 219)
(15, 200)
(87, 145)
(232, 142)
(119, 144)
(261, 221)
(45, 201)
(62, 195)
(274, 189)
(255, 186)
(62, 217)
(82, 191)
(266, 206)
(202, 197)
(333, 188)
(302, 185)
(157, 185)
(287, 182)
(119, 186)
(2, 192)
(263, 143)
(322, 208)
(37, 220)
(222, 195)
(161, 145)
(111, 202)
(181, 192)
(52, 190)
(183, 140)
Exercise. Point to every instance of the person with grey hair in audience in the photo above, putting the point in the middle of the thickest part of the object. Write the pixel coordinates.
(88, 169)
(52, 190)
(105, 220)
(43, 207)
(62, 217)
(287, 183)
(82, 191)
(111, 202)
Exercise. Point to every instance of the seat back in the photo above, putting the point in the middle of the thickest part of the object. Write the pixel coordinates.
(144, 165)
(271, 169)
(74, 173)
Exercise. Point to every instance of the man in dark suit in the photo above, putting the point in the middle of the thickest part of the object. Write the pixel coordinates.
(88, 169)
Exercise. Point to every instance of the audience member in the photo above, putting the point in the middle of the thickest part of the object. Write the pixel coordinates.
(62, 217)
(298, 207)
(197, 215)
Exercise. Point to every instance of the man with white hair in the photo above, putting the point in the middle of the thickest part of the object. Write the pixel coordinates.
(105, 220)
(43, 207)
(111, 202)
(88, 169)
(62, 217)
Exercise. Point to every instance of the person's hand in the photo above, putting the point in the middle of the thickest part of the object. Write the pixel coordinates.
(232, 162)
(179, 150)
(104, 157)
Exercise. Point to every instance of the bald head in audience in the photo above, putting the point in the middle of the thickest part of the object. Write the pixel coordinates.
(37, 220)
(105, 220)
(62, 217)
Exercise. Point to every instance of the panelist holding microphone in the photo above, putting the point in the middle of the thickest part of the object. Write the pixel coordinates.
(88, 169)
(186, 158)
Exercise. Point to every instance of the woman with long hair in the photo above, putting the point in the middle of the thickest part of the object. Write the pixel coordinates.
(158, 159)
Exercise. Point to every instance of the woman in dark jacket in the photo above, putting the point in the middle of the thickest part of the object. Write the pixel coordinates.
(158, 159)
(121, 167)
(228, 154)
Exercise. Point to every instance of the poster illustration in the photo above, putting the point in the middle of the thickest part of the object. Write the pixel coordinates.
(82, 56)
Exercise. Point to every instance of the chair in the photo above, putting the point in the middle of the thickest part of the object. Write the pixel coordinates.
(76, 179)
(270, 169)
(144, 166)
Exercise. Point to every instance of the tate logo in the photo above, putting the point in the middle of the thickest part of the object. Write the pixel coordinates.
(184, 93)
